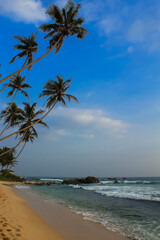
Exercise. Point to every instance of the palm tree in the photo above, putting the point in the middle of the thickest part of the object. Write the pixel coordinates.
(6, 160)
(17, 85)
(27, 46)
(66, 22)
(55, 90)
(29, 117)
(12, 116)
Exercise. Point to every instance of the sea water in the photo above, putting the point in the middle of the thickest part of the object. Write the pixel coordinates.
(131, 208)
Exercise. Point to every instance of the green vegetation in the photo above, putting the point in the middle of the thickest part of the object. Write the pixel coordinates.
(10, 177)
(28, 46)
(17, 85)
(64, 23)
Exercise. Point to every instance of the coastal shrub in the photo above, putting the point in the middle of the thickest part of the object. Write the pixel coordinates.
(10, 177)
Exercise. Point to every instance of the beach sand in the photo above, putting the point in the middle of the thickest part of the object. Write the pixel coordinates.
(18, 221)
(27, 216)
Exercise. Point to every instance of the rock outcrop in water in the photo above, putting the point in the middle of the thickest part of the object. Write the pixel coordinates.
(41, 183)
(112, 179)
(86, 180)
(116, 181)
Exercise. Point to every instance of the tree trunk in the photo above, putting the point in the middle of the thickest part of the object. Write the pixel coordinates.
(30, 64)
(6, 172)
(29, 125)
(14, 77)
(5, 128)
(15, 146)
(9, 106)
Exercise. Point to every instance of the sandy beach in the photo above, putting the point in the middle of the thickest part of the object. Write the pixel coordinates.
(27, 216)
(18, 221)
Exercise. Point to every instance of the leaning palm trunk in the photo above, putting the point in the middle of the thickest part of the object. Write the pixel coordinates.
(31, 124)
(5, 128)
(9, 106)
(15, 146)
(14, 76)
(18, 155)
(6, 172)
(30, 64)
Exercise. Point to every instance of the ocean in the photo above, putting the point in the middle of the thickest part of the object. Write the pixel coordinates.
(131, 208)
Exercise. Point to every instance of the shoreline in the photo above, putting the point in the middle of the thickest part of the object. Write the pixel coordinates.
(67, 223)
(18, 221)
(47, 218)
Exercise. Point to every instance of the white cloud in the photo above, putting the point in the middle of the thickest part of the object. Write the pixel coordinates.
(73, 118)
(83, 123)
(63, 132)
(133, 22)
(90, 10)
(110, 24)
(60, 3)
(130, 49)
(89, 136)
(137, 31)
(28, 11)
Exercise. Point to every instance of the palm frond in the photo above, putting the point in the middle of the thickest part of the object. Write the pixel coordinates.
(70, 97)
(63, 102)
(26, 86)
(55, 13)
(41, 123)
(10, 93)
(27, 46)
(25, 93)
(30, 59)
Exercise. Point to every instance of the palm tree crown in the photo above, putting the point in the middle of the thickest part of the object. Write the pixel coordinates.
(29, 116)
(7, 159)
(18, 85)
(65, 23)
(28, 46)
(29, 136)
(12, 116)
(56, 91)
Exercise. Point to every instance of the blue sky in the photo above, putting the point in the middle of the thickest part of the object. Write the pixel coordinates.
(115, 129)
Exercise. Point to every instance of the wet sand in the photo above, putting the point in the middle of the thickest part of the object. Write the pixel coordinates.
(65, 222)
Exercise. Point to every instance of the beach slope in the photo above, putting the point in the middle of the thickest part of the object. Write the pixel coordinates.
(18, 221)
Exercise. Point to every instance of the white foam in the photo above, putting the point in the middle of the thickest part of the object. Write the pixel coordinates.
(51, 179)
(21, 186)
(130, 192)
(106, 182)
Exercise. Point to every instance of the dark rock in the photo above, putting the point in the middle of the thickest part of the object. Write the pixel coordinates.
(41, 183)
(91, 180)
(111, 179)
(51, 183)
(116, 181)
(86, 180)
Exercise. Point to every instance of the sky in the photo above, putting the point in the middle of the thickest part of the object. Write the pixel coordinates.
(115, 128)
